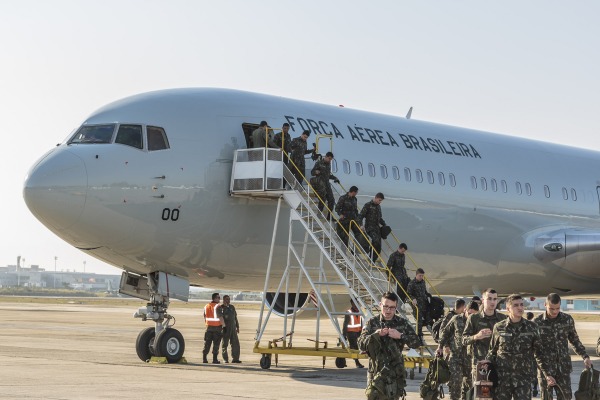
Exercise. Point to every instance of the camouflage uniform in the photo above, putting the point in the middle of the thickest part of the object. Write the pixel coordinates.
(371, 213)
(348, 208)
(386, 363)
(477, 349)
(298, 151)
(322, 171)
(259, 138)
(286, 146)
(230, 334)
(512, 347)
(556, 334)
(451, 336)
(418, 290)
(396, 265)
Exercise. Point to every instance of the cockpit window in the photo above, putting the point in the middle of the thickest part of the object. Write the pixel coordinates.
(130, 135)
(92, 134)
(157, 138)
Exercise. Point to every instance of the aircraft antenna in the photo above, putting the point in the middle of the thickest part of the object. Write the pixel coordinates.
(409, 113)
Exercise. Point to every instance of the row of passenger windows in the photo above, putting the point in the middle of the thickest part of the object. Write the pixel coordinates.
(494, 185)
(126, 134)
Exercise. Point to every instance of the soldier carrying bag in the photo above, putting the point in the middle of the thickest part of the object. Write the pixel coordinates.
(588, 385)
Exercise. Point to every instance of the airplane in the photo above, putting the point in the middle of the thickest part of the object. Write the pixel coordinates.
(144, 184)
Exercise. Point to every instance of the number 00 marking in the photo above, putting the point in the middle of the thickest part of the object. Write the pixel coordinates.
(168, 214)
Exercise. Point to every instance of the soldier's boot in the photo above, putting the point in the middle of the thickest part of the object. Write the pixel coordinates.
(226, 358)
(204, 360)
(358, 364)
(215, 361)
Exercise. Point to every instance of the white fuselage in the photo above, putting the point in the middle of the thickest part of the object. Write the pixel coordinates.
(476, 209)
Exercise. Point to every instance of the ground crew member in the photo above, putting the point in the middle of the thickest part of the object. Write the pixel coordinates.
(478, 329)
(383, 338)
(417, 290)
(515, 342)
(458, 362)
(396, 264)
(322, 171)
(352, 327)
(347, 209)
(230, 331)
(298, 148)
(557, 330)
(259, 136)
(283, 141)
(213, 319)
(371, 213)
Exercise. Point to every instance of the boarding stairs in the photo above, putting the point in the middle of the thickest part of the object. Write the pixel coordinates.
(316, 253)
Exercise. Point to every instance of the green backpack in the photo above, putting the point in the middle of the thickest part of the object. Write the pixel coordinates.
(438, 374)
(588, 385)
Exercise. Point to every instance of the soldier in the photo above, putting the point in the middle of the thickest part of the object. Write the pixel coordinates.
(557, 330)
(478, 329)
(459, 308)
(451, 337)
(283, 141)
(371, 213)
(298, 147)
(352, 326)
(322, 171)
(259, 136)
(514, 343)
(213, 319)
(230, 331)
(396, 265)
(347, 210)
(417, 290)
(383, 338)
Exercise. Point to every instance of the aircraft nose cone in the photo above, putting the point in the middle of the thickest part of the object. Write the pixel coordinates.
(55, 189)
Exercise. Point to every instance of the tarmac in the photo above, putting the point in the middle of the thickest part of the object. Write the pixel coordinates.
(85, 349)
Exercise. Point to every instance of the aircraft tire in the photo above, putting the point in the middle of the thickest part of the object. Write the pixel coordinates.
(170, 344)
(265, 361)
(144, 344)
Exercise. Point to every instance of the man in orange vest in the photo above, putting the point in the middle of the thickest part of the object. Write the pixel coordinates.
(213, 319)
(352, 327)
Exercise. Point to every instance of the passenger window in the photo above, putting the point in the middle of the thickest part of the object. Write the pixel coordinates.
(346, 166)
(441, 178)
(334, 165)
(371, 169)
(528, 189)
(130, 135)
(573, 194)
(383, 171)
(419, 175)
(429, 177)
(565, 193)
(519, 188)
(359, 168)
(494, 185)
(504, 186)
(93, 134)
(473, 182)
(484, 183)
(396, 173)
(157, 138)
(546, 191)
(407, 174)
(452, 180)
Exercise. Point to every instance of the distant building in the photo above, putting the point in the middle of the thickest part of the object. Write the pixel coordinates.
(11, 276)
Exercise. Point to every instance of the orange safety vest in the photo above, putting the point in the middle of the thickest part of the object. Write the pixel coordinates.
(355, 324)
(210, 314)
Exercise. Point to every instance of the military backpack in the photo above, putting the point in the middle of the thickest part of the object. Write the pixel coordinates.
(588, 385)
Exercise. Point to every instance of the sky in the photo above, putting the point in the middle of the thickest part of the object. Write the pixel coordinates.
(522, 68)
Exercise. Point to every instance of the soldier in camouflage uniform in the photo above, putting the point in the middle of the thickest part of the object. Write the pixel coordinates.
(557, 330)
(371, 213)
(417, 290)
(322, 172)
(383, 338)
(259, 135)
(513, 345)
(230, 331)
(478, 329)
(458, 362)
(347, 210)
(396, 265)
(283, 141)
(298, 151)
